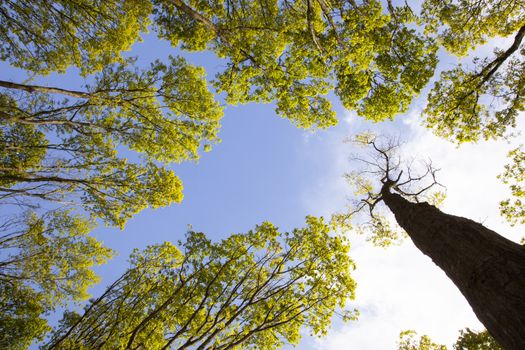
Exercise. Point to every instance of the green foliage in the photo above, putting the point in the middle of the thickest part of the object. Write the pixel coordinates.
(408, 341)
(56, 148)
(464, 24)
(72, 147)
(75, 147)
(47, 36)
(514, 175)
(467, 340)
(470, 340)
(46, 262)
(21, 320)
(295, 52)
(12, 139)
(468, 104)
(252, 290)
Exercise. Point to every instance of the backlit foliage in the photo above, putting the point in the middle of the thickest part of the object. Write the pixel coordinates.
(467, 340)
(52, 35)
(472, 340)
(465, 24)
(252, 290)
(74, 149)
(408, 341)
(106, 148)
(295, 52)
(514, 176)
(480, 102)
(45, 262)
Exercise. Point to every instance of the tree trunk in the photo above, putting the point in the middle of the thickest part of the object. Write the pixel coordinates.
(488, 269)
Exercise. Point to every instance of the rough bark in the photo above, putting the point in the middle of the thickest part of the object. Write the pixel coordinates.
(488, 269)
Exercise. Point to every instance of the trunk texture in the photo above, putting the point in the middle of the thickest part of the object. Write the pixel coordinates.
(488, 269)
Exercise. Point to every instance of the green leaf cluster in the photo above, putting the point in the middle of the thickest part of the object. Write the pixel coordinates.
(466, 106)
(408, 341)
(471, 340)
(462, 25)
(514, 175)
(51, 36)
(46, 262)
(480, 102)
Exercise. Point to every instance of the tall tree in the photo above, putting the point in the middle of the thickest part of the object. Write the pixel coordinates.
(72, 146)
(77, 149)
(256, 289)
(487, 268)
(61, 148)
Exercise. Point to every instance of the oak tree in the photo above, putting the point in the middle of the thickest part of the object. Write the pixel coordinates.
(487, 268)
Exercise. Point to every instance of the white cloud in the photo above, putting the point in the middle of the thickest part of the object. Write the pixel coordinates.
(399, 288)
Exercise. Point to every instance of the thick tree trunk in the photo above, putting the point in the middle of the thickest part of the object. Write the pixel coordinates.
(487, 268)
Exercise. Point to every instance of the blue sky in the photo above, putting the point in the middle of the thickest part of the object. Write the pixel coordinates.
(266, 169)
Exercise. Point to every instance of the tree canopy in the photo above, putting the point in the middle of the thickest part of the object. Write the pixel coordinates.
(102, 151)
(376, 57)
(256, 289)
(295, 52)
(67, 147)
(467, 104)
(51, 36)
